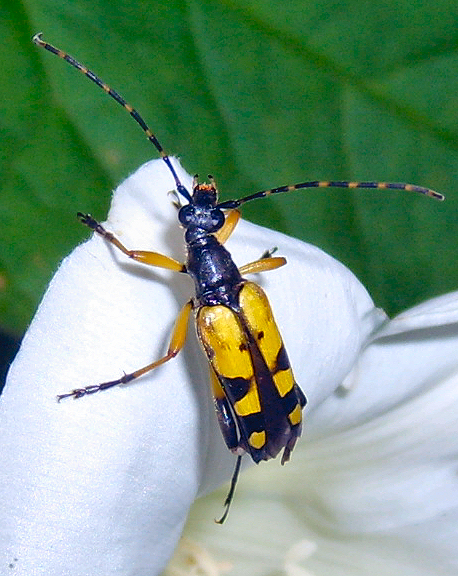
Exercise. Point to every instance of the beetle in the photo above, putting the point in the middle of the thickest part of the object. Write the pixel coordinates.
(257, 400)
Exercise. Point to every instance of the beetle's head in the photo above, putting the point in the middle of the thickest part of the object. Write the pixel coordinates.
(201, 215)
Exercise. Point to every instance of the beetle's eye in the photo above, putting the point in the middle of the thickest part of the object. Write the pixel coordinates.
(217, 218)
(186, 214)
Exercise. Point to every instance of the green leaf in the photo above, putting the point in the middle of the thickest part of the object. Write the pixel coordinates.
(259, 94)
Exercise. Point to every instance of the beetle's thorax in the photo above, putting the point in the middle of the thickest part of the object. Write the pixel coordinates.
(217, 279)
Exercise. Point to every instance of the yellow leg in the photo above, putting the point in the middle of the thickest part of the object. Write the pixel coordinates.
(176, 344)
(263, 265)
(229, 225)
(144, 256)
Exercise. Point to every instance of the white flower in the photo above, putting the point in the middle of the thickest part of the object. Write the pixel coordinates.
(103, 485)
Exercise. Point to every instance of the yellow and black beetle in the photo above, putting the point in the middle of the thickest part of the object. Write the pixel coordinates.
(258, 403)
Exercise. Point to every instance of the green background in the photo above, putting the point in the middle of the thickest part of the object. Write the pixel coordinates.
(258, 93)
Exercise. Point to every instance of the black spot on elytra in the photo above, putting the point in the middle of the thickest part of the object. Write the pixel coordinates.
(235, 388)
(282, 362)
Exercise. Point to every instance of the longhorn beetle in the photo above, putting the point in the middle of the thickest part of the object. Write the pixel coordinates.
(257, 401)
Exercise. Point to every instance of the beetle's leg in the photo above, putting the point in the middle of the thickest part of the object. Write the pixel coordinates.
(268, 253)
(229, 225)
(263, 264)
(144, 256)
(229, 430)
(230, 495)
(176, 344)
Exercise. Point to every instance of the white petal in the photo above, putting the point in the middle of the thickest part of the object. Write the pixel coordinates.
(103, 485)
(407, 356)
(408, 448)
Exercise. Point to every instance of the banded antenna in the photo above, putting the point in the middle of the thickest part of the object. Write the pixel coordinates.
(120, 100)
(232, 204)
(228, 204)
